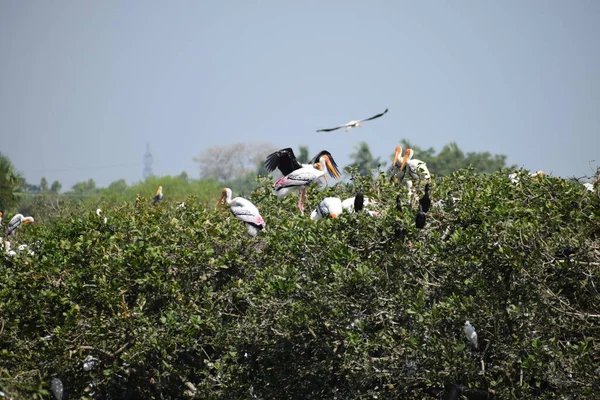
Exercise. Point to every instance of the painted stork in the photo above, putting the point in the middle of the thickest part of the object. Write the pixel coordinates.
(158, 197)
(243, 210)
(416, 168)
(285, 160)
(471, 334)
(302, 178)
(16, 222)
(1, 214)
(331, 206)
(353, 124)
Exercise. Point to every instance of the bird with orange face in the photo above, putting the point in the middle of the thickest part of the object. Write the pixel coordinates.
(301, 178)
(158, 197)
(417, 169)
(16, 222)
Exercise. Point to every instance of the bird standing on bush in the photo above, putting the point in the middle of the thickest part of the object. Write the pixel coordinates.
(158, 197)
(243, 210)
(16, 222)
(416, 168)
(425, 201)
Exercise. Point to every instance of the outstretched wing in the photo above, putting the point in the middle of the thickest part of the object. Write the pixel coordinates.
(316, 158)
(332, 129)
(375, 116)
(284, 160)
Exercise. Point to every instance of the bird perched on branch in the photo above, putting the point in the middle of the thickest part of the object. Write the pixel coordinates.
(158, 197)
(331, 206)
(471, 334)
(425, 201)
(353, 124)
(244, 211)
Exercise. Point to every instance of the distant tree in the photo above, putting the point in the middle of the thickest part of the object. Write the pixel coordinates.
(84, 189)
(44, 184)
(11, 182)
(451, 158)
(303, 156)
(184, 176)
(363, 160)
(56, 186)
(230, 162)
(119, 186)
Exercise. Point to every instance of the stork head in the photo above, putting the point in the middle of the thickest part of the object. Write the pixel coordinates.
(28, 220)
(334, 216)
(397, 154)
(225, 193)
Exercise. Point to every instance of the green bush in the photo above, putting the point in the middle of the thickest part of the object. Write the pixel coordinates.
(181, 303)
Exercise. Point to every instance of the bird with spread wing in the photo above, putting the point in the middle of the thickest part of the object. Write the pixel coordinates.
(353, 124)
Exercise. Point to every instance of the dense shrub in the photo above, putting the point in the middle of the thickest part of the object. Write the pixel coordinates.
(179, 303)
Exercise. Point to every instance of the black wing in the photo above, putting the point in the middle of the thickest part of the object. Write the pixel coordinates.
(331, 129)
(284, 160)
(375, 116)
(316, 158)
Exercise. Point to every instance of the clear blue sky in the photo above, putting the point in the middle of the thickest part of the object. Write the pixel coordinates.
(85, 84)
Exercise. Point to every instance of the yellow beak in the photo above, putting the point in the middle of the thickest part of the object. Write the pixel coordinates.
(404, 159)
(398, 151)
(330, 167)
(334, 216)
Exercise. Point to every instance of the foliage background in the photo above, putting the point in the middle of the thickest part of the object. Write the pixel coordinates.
(179, 302)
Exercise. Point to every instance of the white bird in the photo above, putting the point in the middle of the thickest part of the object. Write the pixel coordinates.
(589, 186)
(243, 210)
(158, 197)
(331, 206)
(286, 162)
(99, 213)
(470, 334)
(353, 124)
(16, 222)
(358, 203)
(416, 168)
(302, 178)
(182, 205)
(7, 249)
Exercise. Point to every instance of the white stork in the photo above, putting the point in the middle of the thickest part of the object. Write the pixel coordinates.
(353, 124)
(416, 168)
(16, 222)
(331, 206)
(302, 178)
(243, 210)
(158, 197)
(99, 213)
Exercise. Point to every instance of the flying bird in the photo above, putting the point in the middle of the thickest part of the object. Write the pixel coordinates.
(243, 210)
(16, 222)
(158, 197)
(470, 334)
(331, 206)
(300, 179)
(285, 160)
(425, 201)
(353, 124)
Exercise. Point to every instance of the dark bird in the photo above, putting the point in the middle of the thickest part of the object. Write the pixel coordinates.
(359, 202)
(285, 160)
(353, 124)
(399, 203)
(158, 197)
(425, 201)
(421, 218)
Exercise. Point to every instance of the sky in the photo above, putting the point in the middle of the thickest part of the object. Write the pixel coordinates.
(85, 85)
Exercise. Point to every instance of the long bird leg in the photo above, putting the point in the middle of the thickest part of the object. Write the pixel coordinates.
(301, 200)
